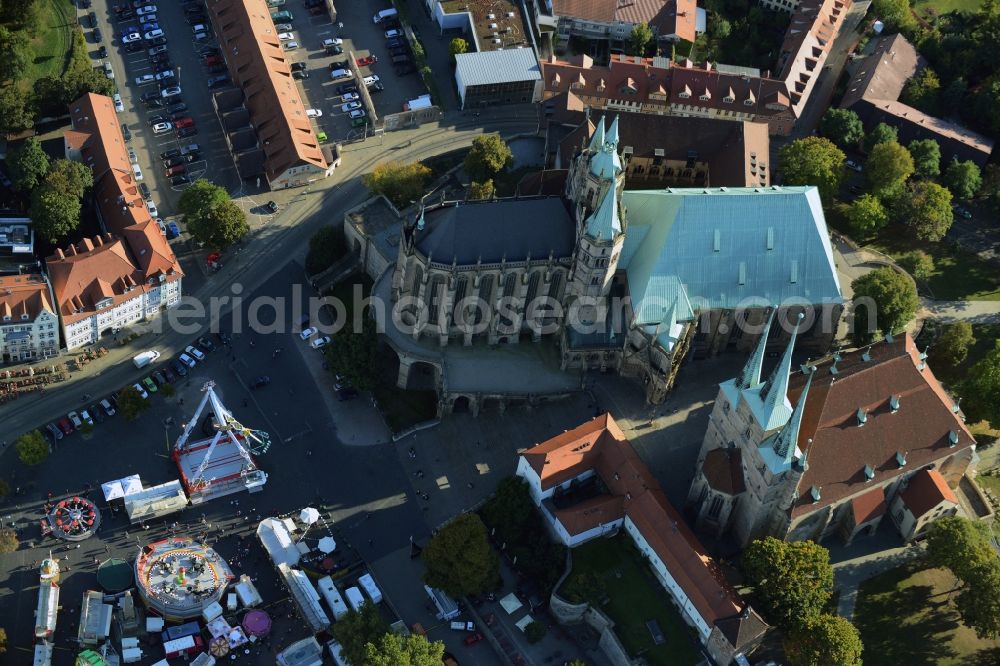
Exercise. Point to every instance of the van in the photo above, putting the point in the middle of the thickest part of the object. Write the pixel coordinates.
(137, 171)
(337, 652)
(384, 14)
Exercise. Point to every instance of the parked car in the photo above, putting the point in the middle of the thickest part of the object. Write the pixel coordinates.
(367, 61)
(119, 106)
(309, 332)
(347, 393)
(358, 113)
(350, 106)
(179, 367)
(472, 638)
(190, 148)
(180, 180)
(144, 190)
(145, 79)
(157, 118)
(300, 75)
(173, 231)
(165, 74)
(186, 132)
(102, 51)
(345, 88)
(393, 34)
(173, 161)
(340, 64)
(195, 352)
(217, 81)
(290, 46)
(147, 9)
(259, 382)
(371, 80)
(129, 37)
(149, 384)
(175, 171)
(349, 97)
(854, 166)
(184, 121)
(320, 342)
(271, 207)
(98, 37)
(159, 378)
(177, 108)
(157, 50)
(187, 360)
(206, 343)
(171, 91)
(162, 128)
(153, 34)
(106, 406)
(286, 36)
(65, 426)
(964, 213)
(126, 132)
(314, 113)
(153, 210)
(141, 391)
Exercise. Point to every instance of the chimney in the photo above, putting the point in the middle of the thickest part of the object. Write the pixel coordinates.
(60, 254)
(71, 250)
(108, 237)
(98, 241)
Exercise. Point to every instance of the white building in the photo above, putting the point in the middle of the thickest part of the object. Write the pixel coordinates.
(589, 482)
(926, 498)
(29, 327)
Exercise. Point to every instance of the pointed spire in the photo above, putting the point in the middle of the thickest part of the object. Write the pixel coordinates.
(750, 377)
(670, 318)
(612, 137)
(597, 140)
(604, 222)
(775, 392)
(788, 438)
(420, 220)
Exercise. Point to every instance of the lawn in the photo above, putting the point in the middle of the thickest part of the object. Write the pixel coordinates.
(908, 616)
(612, 571)
(958, 275)
(53, 42)
(923, 7)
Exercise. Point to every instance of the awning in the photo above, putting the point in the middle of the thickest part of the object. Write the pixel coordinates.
(511, 603)
(119, 488)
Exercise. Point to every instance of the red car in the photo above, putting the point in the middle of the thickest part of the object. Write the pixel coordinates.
(367, 60)
(213, 60)
(65, 426)
(472, 639)
(185, 121)
(176, 171)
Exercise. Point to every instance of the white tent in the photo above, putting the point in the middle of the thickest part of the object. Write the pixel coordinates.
(129, 485)
(308, 515)
(277, 542)
(327, 544)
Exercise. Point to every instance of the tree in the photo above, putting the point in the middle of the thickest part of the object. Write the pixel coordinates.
(488, 156)
(926, 207)
(80, 82)
(979, 602)
(960, 545)
(892, 296)
(921, 91)
(201, 195)
(867, 215)
(952, 98)
(952, 346)
(535, 631)
(484, 190)
(4, 488)
(53, 213)
(813, 161)
(720, 27)
(351, 353)
(32, 448)
(843, 127)
(130, 404)
(168, 390)
(639, 40)
(219, 226)
(793, 580)
(3, 640)
(325, 247)
(15, 54)
(926, 154)
(8, 544)
(28, 164)
(69, 177)
(510, 509)
(825, 640)
(457, 46)
(887, 167)
(981, 390)
(357, 629)
(917, 263)
(963, 179)
(895, 14)
(459, 559)
(402, 184)
(395, 650)
(49, 96)
(15, 115)
(880, 134)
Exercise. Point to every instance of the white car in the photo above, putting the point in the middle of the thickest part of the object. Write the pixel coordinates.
(162, 128)
(371, 80)
(119, 106)
(358, 113)
(165, 74)
(130, 37)
(332, 42)
(350, 106)
(200, 27)
(290, 46)
(158, 49)
(194, 351)
(132, 157)
(286, 36)
(148, 9)
(106, 406)
(320, 342)
(75, 418)
(85, 415)
(187, 360)
(153, 210)
(314, 113)
(108, 71)
(171, 91)
(283, 27)
(137, 172)
(141, 391)
(309, 332)
(389, 34)
(145, 80)
(153, 34)
(853, 166)
(349, 97)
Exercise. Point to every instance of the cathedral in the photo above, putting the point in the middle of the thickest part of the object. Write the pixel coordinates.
(624, 281)
(827, 448)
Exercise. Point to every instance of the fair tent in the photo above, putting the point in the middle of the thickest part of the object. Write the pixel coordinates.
(308, 515)
(327, 544)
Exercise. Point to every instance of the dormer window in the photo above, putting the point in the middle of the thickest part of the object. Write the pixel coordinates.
(730, 97)
(814, 494)
(706, 96)
(862, 416)
(952, 438)
(686, 93)
(894, 403)
(869, 473)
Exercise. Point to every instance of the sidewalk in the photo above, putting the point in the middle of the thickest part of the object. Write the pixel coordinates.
(974, 312)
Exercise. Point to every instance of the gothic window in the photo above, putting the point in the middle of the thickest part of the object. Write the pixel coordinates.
(748, 434)
(418, 276)
(485, 297)
(716, 507)
(595, 280)
(555, 286)
(725, 406)
(532, 293)
(436, 294)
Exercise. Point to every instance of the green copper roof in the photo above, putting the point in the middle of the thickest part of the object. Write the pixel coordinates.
(604, 223)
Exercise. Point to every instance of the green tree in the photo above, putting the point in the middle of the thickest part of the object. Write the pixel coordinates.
(887, 167)
(201, 195)
(926, 207)
(793, 580)
(510, 509)
(952, 346)
(459, 559)
(986, 106)
(28, 164)
(15, 115)
(720, 27)
(4, 488)
(395, 650)
(979, 602)
(53, 213)
(3, 640)
(15, 54)
(69, 177)
(917, 263)
(484, 190)
(867, 215)
(884, 301)
(131, 405)
(488, 156)
(357, 629)
(981, 390)
(963, 179)
(32, 448)
(457, 46)
(325, 247)
(843, 127)
(81, 82)
(825, 640)
(880, 134)
(8, 544)
(639, 40)
(402, 184)
(219, 226)
(953, 97)
(895, 14)
(922, 91)
(535, 631)
(926, 154)
(351, 352)
(813, 161)
(49, 96)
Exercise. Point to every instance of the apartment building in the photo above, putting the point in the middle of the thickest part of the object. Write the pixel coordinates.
(29, 326)
(613, 20)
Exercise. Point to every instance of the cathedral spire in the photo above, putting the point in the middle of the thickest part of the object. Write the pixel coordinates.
(597, 140)
(612, 137)
(787, 439)
(603, 223)
(775, 392)
(750, 377)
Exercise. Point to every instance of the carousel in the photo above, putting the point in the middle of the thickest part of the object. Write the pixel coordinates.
(178, 578)
(72, 519)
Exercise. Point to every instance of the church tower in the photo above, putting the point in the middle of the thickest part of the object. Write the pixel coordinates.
(593, 187)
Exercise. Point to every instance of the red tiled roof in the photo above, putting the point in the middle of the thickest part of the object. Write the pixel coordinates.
(590, 513)
(838, 449)
(26, 294)
(925, 490)
(87, 273)
(869, 506)
(565, 456)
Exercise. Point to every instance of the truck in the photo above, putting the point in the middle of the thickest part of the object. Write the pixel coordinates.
(142, 359)
(422, 102)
